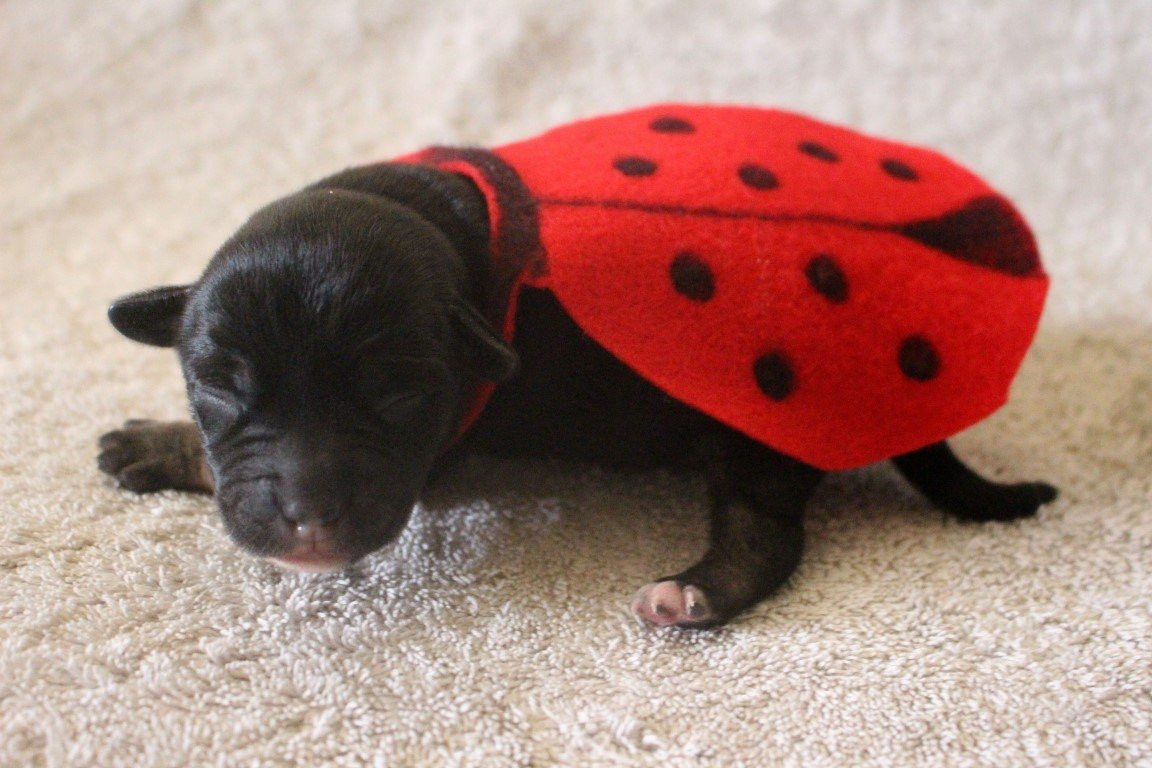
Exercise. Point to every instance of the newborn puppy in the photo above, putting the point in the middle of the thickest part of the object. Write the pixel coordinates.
(335, 346)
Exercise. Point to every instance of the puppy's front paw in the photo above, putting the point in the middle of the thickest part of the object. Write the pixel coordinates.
(669, 603)
(146, 456)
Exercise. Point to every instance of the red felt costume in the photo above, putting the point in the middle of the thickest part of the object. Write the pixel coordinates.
(840, 298)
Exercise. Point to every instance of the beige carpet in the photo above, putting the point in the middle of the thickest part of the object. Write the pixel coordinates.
(134, 136)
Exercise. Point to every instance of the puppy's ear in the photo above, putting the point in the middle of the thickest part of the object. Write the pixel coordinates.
(150, 317)
(487, 353)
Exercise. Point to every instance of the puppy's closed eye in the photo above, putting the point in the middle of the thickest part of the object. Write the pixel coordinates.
(215, 409)
(225, 373)
(221, 393)
(400, 386)
(396, 406)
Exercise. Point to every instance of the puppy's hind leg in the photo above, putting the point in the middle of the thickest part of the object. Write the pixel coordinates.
(757, 534)
(146, 456)
(946, 481)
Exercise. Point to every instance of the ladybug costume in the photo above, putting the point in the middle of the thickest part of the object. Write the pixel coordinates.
(840, 298)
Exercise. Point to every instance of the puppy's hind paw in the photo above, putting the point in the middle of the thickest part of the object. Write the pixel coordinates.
(669, 603)
(1010, 502)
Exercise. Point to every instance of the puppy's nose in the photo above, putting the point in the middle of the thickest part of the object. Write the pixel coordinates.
(301, 508)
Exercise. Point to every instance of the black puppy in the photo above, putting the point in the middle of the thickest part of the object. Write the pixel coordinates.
(333, 346)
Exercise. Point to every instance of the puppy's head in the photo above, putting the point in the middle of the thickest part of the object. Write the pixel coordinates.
(329, 352)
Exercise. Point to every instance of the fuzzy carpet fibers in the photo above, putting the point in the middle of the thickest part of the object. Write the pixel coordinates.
(135, 135)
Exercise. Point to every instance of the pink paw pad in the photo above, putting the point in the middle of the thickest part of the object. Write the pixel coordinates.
(666, 603)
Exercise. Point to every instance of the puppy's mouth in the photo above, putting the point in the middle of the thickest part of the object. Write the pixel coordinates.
(309, 562)
(313, 550)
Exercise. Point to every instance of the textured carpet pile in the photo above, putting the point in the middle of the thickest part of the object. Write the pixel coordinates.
(134, 136)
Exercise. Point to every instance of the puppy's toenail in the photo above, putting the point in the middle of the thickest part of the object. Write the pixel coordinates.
(693, 603)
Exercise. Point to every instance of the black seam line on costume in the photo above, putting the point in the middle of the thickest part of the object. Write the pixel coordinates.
(1031, 268)
(715, 213)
